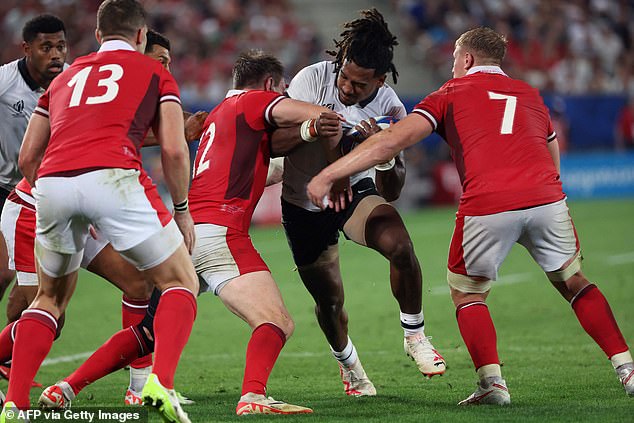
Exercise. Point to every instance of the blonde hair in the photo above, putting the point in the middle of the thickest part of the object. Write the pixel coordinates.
(485, 43)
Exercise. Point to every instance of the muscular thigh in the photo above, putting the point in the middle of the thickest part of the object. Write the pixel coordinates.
(550, 235)
(222, 254)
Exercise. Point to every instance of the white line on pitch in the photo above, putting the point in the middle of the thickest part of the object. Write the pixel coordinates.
(66, 358)
(621, 258)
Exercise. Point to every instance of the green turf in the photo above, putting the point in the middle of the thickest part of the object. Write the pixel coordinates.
(554, 370)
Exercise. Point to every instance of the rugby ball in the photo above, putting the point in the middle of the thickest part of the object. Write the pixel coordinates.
(352, 137)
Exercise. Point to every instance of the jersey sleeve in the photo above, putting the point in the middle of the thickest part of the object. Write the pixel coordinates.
(305, 85)
(396, 108)
(258, 109)
(5, 78)
(433, 107)
(168, 88)
(42, 104)
(551, 131)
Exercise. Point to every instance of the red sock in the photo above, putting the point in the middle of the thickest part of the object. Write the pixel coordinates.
(6, 342)
(34, 337)
(118, 351)
(595, 315)
(173, 323)
(478, 333)
(264, 347)
(132, 312)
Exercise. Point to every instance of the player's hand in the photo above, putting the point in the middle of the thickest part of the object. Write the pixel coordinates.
(340, 194)
(367, 128)
(317, 190)
(328, 125)
(186, 225)
(194, 125)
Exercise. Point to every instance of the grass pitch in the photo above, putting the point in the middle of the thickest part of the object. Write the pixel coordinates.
(554, 371)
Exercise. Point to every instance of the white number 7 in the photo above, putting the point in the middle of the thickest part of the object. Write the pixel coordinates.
(509, 111)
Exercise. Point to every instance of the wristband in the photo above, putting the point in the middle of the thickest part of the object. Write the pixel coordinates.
(181, 207)
(308, 130)
(386, 166)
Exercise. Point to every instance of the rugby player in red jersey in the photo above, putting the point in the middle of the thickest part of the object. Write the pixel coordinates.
(507, 155)
(87, 172)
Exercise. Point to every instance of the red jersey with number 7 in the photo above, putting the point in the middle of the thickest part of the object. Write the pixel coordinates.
(101, 108)
(233, 159)
(498, 129)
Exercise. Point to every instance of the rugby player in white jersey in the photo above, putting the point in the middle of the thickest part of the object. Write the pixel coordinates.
(353, 85)
(22, 82)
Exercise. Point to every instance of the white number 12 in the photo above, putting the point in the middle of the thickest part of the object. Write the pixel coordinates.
(509, 111)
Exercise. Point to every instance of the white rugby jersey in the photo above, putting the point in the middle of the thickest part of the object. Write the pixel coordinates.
(317, 84)
(18, 97)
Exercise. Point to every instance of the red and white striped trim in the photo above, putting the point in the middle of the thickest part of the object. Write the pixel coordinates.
(41, 111)
(551, 136)
(427, 115)
(41, 313)
(462, 307)
(268, 113)
(176, 288)
(170, 97)
(127, 304)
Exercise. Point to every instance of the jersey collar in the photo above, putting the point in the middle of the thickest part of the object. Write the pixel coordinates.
(112, 45)
(34, 86)
(231, 93)
(486, 69)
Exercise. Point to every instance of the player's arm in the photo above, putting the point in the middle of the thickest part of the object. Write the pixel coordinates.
(379, 148)
(175, 161)
(553, 149)
(33, 146)
(326, 126)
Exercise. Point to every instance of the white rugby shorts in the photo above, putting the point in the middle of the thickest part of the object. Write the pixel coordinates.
(122, 204)
(481, 243)
(222, 254)
(18, 227)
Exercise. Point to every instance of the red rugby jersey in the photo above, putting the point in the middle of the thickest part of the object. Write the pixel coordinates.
(498, 129)
(101, 108)
(232, 159)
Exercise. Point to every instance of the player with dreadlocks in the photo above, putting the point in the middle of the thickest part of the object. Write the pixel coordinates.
(353, 84)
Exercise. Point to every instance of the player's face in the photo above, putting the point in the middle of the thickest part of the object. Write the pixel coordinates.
(45, 56)
(356, 84)
(161, 54)
(459, 62)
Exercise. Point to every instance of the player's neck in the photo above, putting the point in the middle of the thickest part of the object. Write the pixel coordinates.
(36, 76)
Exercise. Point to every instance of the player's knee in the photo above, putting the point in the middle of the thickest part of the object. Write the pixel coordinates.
(401, 253)
(6, 276)
(138, 289)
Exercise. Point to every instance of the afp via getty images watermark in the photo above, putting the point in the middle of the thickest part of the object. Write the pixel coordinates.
(79, 415)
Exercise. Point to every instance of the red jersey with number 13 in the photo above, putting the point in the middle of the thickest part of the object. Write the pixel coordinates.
(100, 110)
(498, 129)
(233, 159)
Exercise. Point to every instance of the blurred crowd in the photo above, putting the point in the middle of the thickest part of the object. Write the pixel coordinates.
(206, 35)
(563, 46)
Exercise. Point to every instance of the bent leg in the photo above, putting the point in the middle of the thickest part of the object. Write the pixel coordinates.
(264, 310)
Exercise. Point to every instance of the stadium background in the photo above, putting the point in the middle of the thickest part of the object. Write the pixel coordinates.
(579, 53)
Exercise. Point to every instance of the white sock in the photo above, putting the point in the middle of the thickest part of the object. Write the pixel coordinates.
(621, 358)
(138, 377)
(348, 356)
(413, 324)
(489, 370)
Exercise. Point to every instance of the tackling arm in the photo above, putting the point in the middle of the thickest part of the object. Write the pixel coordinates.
(33, 146)
(175, 161)
(379, 148)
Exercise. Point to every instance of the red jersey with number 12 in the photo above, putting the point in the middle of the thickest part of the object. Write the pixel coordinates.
(233, 159)
(498, 129)
(100, 110)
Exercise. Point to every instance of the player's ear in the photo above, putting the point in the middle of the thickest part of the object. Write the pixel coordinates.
(381, 80)
(269, 83)
(98, 36)
(469, 61)
(26, 48)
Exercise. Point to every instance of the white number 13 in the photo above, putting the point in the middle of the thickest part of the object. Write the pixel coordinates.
(509, 111)
(78, 82)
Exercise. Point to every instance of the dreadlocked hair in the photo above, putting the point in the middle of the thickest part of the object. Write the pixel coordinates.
(368, 43)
